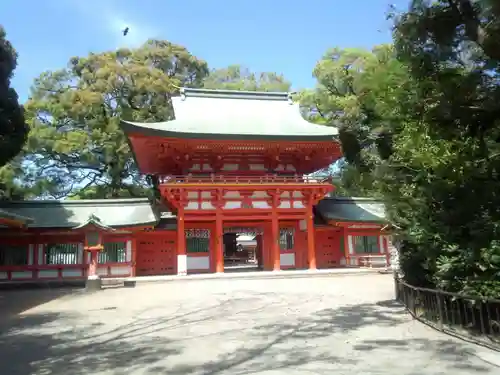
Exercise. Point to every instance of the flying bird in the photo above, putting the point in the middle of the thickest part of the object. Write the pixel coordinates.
(125, 31)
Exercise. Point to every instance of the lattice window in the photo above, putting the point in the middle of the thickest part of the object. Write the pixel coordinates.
(13, 255)
(365, 244)
(197, 233)
(197, 245)
(66, 253)
(286, 239)
(113, 252)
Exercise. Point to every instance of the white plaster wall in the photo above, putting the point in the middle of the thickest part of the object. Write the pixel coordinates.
(232, 205)
(192, 206)
(31, 254)
(71, 273)
(298, 204)
(284, 204)
(40, 253)
(302, 225)
(21, 275)
(128, 249)
(198, 263)
(207, 206)
(257, 167)
(287, 260)
(260, 194)
(47, 274)
(120, 270)
(80, 253)
(102, 271)
(261, 204)
(381, 244)
(182, 264)
(350, 245)
(230, 167)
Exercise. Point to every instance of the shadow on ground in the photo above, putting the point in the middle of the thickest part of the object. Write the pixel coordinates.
(15, 300)
(57, 344)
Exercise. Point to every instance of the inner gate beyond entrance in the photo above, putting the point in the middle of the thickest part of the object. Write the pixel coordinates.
(243, 248)
(289, 243)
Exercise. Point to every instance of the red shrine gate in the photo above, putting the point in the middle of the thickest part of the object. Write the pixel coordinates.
(244, 203)
(234, 159)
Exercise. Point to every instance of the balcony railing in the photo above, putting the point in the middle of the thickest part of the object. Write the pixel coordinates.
(222, 179)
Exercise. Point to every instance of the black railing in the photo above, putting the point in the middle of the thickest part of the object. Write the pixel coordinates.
(472, 318)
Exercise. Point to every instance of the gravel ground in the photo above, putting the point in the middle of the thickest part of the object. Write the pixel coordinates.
(327, 325)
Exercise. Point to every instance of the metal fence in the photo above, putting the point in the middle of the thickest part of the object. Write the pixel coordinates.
(471, 318)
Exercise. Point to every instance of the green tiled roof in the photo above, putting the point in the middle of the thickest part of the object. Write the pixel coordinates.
(352, 210)
(12, 216)
(71, 214)
(234, 115)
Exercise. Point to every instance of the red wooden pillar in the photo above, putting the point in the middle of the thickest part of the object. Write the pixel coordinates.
(219, 244)
(275, 246)
(181, 243)
(311, 243)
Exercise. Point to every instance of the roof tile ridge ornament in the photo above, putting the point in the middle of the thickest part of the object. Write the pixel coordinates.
(95, 221)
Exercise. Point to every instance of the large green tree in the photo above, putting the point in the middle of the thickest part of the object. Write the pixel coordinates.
(449, 148)
(237, 77)
(75, 145)
(419, 128)
(357, 91)
(13, 128)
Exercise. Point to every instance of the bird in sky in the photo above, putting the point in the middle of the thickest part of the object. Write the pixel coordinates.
(125, 31)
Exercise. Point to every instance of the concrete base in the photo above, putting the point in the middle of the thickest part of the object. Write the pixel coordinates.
(92, 285)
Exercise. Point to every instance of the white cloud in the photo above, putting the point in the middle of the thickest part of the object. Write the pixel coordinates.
(112, 19)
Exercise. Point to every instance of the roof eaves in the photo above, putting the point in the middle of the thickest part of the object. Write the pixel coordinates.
(147, 130)
(78, 202)
(12, 216)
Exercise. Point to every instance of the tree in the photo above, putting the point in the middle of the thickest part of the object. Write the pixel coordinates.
(450, 145)
(13, 128)
(75, 146)
(237, 77)
(357, 91)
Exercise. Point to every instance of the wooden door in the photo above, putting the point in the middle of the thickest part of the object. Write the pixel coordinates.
(156, 253)
(329, 250)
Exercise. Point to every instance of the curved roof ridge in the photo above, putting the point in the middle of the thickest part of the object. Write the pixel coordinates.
(187, 92)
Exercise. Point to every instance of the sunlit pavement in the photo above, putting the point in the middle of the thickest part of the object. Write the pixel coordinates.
(317, 325)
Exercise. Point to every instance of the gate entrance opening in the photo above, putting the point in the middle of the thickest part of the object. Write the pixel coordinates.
(242, 249)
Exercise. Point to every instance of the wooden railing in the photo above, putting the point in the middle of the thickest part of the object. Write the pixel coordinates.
(224, 179)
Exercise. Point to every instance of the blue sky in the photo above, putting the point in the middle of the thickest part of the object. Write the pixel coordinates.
(265, 35)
